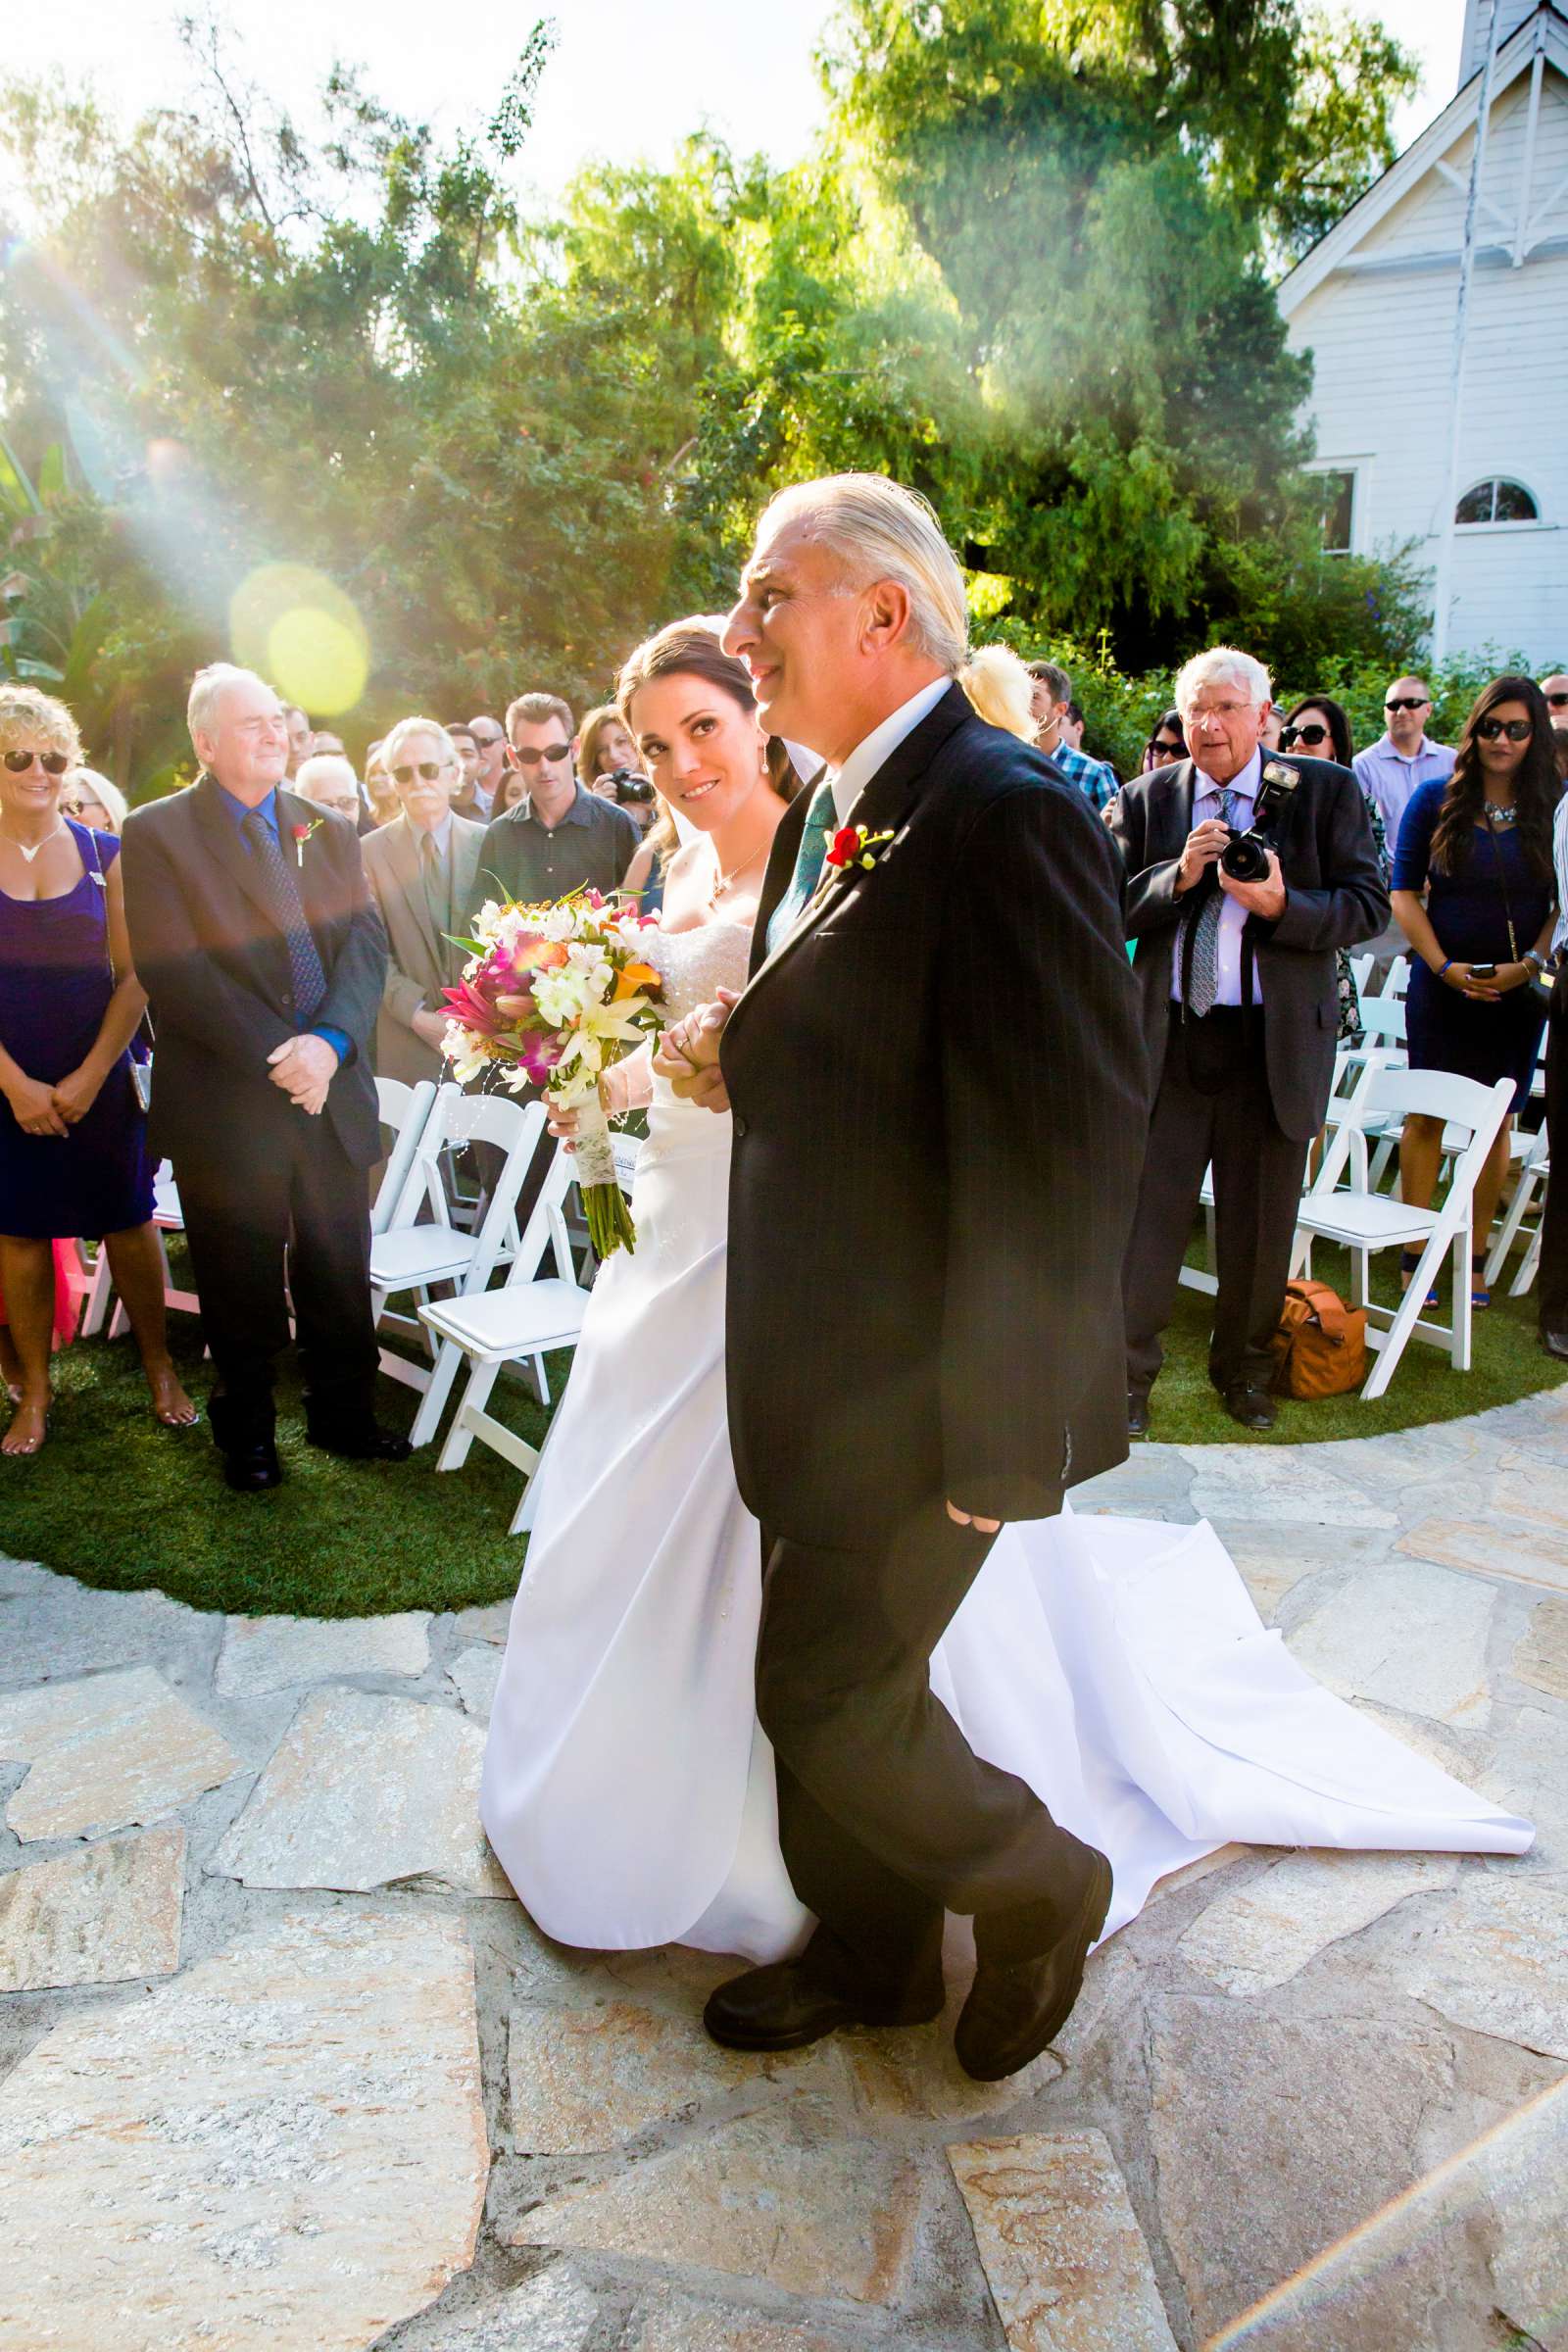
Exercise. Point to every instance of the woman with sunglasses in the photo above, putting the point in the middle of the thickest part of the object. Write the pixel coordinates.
(93, 802)
(73, 1135)
(1319, 728)
(1477, 851)
(1166, 742)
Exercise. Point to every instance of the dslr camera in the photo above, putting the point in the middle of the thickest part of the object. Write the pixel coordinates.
(630, 786)
(1245, 857)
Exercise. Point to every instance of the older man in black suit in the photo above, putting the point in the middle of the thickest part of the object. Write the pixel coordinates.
(939, 1088)
(254, 934)
(1241, 1011)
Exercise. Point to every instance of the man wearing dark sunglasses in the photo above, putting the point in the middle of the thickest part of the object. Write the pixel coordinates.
(1390, 769)
(560, 838)
(1555, 690)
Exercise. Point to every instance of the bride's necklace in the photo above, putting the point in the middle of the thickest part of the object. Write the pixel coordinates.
(32, 853)
(727, 882)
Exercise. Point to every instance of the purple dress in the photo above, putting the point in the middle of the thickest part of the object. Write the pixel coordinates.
(55, 986)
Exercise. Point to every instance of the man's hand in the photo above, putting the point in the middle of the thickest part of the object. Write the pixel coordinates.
(982, 1527)
(1266, 899)
(304, 1067)
(1203, 845)
(687, 1054)
(431, 1027)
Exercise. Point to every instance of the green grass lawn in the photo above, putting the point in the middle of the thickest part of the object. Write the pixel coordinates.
(119, 1502)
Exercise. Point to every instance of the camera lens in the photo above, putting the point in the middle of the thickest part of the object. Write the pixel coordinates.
(1244, 859)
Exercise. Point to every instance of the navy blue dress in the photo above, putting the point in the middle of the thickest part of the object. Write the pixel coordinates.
(1468, 913)
(55, 987)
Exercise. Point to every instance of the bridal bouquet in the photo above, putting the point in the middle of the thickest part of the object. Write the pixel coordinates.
(554, 995)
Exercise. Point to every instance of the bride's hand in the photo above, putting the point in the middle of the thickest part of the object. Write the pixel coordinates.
(687, 1053)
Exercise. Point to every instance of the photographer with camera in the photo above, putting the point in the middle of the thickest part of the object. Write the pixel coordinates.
(1245, 874)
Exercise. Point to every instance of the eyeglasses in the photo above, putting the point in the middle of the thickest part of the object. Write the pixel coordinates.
(1517, 730)
(531, 757)
(53, 764)
(1289, 735)
(430, 769)
(1408, 701)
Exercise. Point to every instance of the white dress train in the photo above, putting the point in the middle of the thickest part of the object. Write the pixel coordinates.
(1118, 1665)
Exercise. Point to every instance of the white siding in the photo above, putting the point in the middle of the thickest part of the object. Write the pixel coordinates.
(1381, 339)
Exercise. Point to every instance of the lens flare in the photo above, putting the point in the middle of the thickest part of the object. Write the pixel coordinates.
(299, 629)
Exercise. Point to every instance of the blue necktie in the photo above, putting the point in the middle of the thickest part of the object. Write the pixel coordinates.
(820, 818)
(306, 974)
(1205, 967)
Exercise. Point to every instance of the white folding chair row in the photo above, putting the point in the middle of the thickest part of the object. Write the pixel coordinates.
(1365, 1222)
(1529, 1192)
(488, 1330)
(411, 1256)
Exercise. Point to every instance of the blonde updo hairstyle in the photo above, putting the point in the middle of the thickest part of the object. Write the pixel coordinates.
(1000, 689)
(29, 718)
(695, 649)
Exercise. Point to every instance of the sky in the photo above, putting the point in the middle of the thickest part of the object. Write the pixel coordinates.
(628, 80)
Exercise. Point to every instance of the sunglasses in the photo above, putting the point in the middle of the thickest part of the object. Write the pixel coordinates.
(1171, 751)
(552, 752)
(1409, 702)
(53, 764)
(1289, 735)
(1558, 701)
(430, 769)
(1517, 730)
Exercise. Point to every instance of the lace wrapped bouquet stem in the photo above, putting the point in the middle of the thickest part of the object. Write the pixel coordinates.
(554, 995)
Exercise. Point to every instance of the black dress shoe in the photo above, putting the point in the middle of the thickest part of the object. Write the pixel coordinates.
(1137, 1414)
(251, 1468)
(787, 2005)
(359, 1442)
(1016, 2008)
(1253, 1409)
(1555, 1343)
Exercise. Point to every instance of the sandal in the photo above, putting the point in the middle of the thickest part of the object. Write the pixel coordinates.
(1480, 1296)
(1409, 1260)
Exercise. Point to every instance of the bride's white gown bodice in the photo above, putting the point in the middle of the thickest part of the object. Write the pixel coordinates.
(1118, 1665)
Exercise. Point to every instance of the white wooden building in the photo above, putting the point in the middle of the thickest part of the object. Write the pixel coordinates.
(1374, 302)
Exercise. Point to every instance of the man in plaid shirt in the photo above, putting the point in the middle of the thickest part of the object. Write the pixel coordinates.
(1096, 779)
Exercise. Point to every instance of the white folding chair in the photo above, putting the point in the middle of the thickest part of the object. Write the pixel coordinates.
(1397, 982)
(1361, 972)
(168, 1218)
(408, 1255)
(486, 1330)
(1364, 1221)
(405, 1111)
(1529, 1192)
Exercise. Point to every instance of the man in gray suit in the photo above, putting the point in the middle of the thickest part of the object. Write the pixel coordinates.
(423, 869)
(1237, 982)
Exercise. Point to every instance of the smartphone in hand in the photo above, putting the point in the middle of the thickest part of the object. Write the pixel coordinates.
(1483, 971)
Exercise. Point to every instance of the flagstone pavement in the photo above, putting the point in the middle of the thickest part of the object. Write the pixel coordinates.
(284, 2064)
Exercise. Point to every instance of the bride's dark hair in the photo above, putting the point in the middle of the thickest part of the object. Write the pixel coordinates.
(695, 649)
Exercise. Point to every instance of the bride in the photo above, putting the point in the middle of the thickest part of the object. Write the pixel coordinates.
(1118, 1666)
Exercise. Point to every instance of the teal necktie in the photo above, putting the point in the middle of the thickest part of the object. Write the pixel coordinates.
(821, 818)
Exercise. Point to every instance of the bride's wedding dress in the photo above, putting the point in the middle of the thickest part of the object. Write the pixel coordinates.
(1118, 1665)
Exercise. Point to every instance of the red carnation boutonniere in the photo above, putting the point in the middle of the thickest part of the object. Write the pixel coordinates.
(302, 834)
(853, 845)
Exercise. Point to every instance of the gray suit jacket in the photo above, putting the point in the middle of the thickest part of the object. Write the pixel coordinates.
(1334, 898)
(421, 964)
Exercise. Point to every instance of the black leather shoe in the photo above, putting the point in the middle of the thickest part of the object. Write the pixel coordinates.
(787, 2005)
(365, 1442)
(1253, 1409)
(1137, 1414)
(1555, 1343)
(1016, 2008)
(251, 1468)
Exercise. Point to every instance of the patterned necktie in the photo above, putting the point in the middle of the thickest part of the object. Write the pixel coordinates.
(288, 911)
(808, 862)
(1203, 975)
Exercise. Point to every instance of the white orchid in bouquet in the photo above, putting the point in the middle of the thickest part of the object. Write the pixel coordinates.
(551, 997)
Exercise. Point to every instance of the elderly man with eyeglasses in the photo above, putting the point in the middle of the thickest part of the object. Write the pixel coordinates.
(480, 797)
(561, 838)
(423, 868)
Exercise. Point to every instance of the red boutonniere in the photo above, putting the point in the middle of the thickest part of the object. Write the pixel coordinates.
(302, 834)
(854, 846)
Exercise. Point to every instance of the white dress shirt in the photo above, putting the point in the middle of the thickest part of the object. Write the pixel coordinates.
(878, 748)
(1559, 859)
(1208, 799)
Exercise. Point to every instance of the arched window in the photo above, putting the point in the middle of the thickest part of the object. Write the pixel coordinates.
(1498, 501)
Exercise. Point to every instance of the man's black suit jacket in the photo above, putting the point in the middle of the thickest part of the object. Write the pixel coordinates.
(1334, 898)
(209, 952)
(939, 1105)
